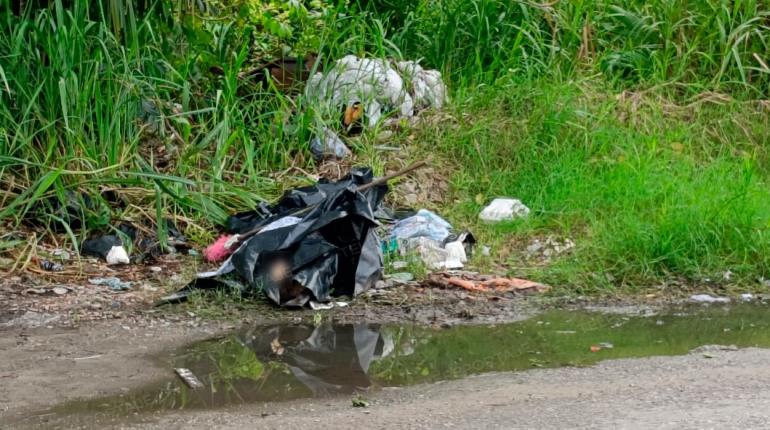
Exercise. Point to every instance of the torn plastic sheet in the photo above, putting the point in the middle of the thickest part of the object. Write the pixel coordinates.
(320, 242)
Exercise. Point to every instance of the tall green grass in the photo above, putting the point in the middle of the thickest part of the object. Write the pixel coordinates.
(647, 190)
(626, 125)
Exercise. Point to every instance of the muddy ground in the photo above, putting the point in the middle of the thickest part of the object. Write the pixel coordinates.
(91, 341)
(723, 388)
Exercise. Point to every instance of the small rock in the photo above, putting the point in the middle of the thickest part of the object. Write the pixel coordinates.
(60, 291)
(156, 269)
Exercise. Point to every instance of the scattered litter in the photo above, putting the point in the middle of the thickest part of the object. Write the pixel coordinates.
(423, 224)
(504, 209)
(606, 345)
(707, 298)
(189, 378)
(397, 265)
(485, 283)
(430, 236)
(565, 332)
(431, 253)
(549, 247)
(596, 348)
(50, 266)
(316, 306)
(114, 283)
(330, 146)
(108, 247)
(486, 251)
(60, 291)
(156, 269)
(326, 243)
(376, 86)
(747, 297)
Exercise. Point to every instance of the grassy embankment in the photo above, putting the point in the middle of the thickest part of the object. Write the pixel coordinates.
(637, 129)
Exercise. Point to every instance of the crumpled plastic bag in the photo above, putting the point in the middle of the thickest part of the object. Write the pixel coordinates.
(381, 86)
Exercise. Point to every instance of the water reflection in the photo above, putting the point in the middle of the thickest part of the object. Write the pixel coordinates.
(291, 361)
(326, 359)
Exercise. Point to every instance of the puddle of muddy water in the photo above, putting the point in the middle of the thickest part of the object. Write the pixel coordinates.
(282, 362)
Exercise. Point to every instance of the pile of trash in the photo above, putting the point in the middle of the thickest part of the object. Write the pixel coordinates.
(316, 242)
(324, 241)
(364, 90)
(431, 238)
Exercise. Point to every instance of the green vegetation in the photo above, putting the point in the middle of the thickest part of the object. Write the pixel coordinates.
(637, 129)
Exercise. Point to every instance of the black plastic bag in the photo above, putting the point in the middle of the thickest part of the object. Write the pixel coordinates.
(324, 244)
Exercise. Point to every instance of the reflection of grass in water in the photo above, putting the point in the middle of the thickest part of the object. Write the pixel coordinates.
(549, 341)
(223, 367)
(232, 373)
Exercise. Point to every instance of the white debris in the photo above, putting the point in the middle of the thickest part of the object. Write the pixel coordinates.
(455, 255)
(504, 209)
(451, 256)
(318, 306)
(428, 87)
(189, 378)
(378, 85)
(117, 255)
(747, 297)
(707, 298)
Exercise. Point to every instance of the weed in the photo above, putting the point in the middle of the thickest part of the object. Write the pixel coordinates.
(627, 126)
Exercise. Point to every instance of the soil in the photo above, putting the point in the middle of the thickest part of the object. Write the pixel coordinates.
(91, 342)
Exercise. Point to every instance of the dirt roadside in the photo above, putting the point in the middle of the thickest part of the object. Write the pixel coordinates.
(721, 389)
(728, 390)
(46, 358)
